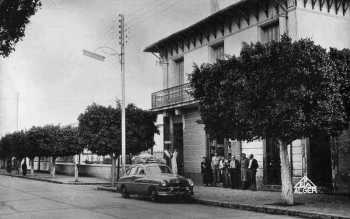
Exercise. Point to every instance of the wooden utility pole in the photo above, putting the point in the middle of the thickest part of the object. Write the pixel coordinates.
(122, 64)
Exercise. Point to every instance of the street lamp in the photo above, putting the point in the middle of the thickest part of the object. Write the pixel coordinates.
(101, 58)
(122, 42)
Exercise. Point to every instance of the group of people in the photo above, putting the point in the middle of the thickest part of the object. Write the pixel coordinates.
(15, 164)
(234, 173)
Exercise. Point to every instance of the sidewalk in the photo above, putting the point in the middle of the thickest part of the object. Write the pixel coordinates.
(60, 179)
(308, 205)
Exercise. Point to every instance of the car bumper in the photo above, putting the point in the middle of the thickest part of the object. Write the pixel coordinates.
(175, 191)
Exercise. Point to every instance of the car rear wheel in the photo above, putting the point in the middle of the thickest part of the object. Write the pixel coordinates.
(153, 194)
(124, 192)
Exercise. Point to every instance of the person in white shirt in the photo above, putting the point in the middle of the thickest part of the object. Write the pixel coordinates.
(215, 168)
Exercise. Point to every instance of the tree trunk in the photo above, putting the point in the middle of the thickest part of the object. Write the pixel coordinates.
(335, 164)
(113, 171)
(39, 164)
(118, 169)
(76, 171)
(287, 186)
(53, 166)
(31, 160)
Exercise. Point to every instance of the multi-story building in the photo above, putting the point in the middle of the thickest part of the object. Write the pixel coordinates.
(327, 22)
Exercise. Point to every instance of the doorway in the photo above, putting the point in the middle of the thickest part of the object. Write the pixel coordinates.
(179, 146)
(272, 173)
(320, 160)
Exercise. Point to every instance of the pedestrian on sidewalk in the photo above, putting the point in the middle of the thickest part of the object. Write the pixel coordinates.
(24, 167)
(9, 166)
(235, 170)
(205, 170)
(226, 174)
(215, 168)
(17, 165)
(244, 171)
(221, 170)
(252, 169)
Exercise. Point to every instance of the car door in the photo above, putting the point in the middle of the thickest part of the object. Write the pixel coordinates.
(140, 181)
(130, 180)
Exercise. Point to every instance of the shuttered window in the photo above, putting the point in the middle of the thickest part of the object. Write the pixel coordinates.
(218, 52)
(270, 32)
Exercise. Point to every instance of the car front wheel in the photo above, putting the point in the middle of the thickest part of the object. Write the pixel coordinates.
(124, 192)
(153, 194)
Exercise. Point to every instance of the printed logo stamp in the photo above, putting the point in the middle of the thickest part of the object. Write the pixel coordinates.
(305, 185)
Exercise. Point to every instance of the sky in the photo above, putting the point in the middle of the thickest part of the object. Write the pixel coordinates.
(47, 80)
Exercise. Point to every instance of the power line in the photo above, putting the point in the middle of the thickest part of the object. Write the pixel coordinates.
(141, 12)
(145, 19)
(147, 15)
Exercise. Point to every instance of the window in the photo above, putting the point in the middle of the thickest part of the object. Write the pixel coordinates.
(133, 171)
(218, 52)
(157, 170)
(270, 32)
(179, 70)
(141, 171)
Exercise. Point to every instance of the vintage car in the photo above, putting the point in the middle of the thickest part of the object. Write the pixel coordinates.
(154, 180)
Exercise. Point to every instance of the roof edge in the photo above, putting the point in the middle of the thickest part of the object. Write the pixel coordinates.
(154, 47)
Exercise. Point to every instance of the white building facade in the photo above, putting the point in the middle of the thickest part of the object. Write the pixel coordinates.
(326, 22)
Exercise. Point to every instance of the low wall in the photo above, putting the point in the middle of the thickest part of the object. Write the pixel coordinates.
(93, 170)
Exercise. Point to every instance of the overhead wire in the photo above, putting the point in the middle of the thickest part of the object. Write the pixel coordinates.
(144, 19)
(145, 11)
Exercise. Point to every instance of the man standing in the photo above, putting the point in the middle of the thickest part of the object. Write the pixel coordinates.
(235, 173)
(244, 171)
(215, 168)
(252, 167)
(205, 170)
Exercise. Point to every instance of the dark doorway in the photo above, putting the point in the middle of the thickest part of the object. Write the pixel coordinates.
(320, 160)
(179, 146)
(272, 173)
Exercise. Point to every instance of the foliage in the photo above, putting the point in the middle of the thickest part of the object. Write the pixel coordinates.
(41, 141)
(283, 90)
(341, 59)
(14, 16)
(100, 129)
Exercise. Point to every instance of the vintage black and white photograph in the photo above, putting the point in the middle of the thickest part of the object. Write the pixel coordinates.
(174, 109)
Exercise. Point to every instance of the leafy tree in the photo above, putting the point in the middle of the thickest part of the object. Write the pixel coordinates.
(281, 90)
(33, 146)
(341, 59)
(70, 144)
(100, 130)
(14, 16)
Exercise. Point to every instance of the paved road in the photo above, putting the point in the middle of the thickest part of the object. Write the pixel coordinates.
(22, 198)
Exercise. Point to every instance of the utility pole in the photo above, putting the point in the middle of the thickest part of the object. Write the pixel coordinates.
(122, 64)
(18, 112)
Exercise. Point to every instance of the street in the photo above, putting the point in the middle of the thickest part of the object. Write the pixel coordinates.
(22, 198)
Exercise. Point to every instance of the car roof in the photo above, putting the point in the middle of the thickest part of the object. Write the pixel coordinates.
(148, 164)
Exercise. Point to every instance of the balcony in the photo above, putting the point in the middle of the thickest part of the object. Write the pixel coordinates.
(172, 97)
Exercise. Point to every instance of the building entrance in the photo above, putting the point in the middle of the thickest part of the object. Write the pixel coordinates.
(179, 146)
(320, 160)
(272, 172)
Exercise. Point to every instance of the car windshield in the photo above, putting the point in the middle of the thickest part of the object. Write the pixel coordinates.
(156, 170)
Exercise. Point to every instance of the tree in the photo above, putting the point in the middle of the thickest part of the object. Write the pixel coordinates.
(100, 130)
(341, 59)
(70, 144)
(14, 16)
(281, 90)
(33, 146)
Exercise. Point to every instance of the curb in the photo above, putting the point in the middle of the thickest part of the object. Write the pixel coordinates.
(108, 189)
(269, 210)
(52, 181)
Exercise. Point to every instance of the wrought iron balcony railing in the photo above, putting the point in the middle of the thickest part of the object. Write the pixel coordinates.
(172, 96)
